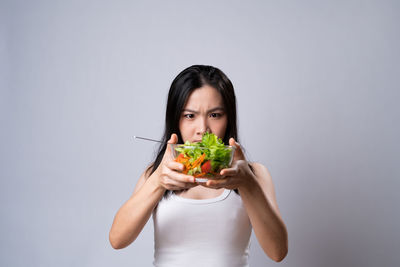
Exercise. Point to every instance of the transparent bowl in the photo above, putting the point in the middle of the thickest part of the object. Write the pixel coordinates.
(201, 162)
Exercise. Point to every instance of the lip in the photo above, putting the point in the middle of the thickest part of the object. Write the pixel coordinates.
(195, 141)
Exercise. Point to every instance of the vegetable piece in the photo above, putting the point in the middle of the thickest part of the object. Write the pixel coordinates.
(204, 158)
(206, 167)
(198, 161)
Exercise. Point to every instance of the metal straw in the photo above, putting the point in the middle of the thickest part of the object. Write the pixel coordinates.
(148, 139)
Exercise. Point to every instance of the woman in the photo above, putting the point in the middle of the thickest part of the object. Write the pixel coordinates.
(202, 224)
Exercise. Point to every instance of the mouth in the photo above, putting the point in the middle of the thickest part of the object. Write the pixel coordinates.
(196, 141)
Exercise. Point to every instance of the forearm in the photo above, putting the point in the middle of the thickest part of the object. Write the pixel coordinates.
(134, 214)
(268, 227)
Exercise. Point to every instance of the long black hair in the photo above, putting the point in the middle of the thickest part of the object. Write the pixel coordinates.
(182, 86)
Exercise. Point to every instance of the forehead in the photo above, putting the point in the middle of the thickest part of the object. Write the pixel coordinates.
(205, 97)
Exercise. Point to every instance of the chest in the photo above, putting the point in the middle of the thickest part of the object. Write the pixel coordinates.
(219, 220)
(201, 192)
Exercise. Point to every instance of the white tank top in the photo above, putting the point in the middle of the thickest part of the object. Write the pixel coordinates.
(206, 232)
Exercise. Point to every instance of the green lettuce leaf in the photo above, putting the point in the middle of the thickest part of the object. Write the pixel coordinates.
(213, 147)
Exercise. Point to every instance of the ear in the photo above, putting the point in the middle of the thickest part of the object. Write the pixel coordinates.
(239, 155)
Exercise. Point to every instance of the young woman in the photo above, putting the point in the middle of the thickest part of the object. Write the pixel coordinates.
(202, 224)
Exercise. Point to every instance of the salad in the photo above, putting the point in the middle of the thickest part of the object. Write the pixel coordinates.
(206, 158)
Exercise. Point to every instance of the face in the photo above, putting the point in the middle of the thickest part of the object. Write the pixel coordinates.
(204, 111)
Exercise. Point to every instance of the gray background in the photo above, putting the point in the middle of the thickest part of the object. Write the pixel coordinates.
(317, 90)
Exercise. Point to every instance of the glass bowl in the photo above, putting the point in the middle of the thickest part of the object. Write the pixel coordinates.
(203, 162)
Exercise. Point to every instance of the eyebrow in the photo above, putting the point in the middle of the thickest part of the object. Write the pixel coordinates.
(211, 110)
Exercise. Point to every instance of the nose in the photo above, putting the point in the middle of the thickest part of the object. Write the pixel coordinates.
(203, 126)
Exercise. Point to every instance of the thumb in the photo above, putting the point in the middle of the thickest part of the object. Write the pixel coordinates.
(239, 155)
(173, 139)
(168, 151)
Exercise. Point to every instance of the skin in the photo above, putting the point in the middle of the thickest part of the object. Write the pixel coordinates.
(204, 111)
(256, 188)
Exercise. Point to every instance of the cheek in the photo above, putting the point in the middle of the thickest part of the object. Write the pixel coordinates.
(181, 126)
(184, 128)
(220, 127)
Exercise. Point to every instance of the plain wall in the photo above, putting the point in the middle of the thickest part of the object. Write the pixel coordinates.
(317, 85)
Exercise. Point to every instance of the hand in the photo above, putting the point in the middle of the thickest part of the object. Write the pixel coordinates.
(169, 170)
(235, 177)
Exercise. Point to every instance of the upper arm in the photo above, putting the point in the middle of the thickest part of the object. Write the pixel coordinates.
(142, 179)
(265, 180)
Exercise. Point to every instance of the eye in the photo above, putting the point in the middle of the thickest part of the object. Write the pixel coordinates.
(189, 116)
(215, 115)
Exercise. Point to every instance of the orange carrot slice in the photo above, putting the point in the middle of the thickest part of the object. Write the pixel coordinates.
(198, 161)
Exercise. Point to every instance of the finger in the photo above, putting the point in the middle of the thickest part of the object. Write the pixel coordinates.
(216, 183)
(180, 186)
(238, 155)
(208, 185)
(229, 172)
(173, 165)
(180, 177)
(172, 183)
